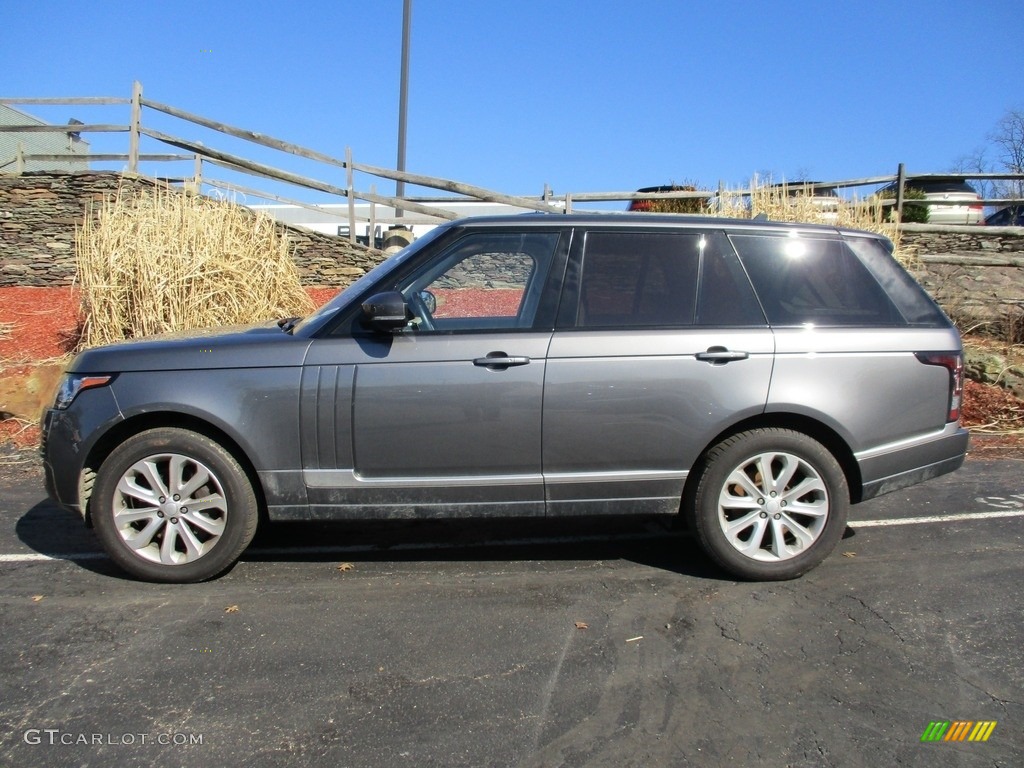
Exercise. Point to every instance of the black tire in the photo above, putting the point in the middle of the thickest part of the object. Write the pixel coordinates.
(776, 530)
(135, 498)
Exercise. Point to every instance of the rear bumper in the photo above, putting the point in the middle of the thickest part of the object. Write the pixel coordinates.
(909, 462)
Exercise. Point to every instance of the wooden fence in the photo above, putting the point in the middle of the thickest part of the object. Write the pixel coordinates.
(203, 158)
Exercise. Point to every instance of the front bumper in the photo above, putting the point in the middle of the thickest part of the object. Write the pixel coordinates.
(68, 438)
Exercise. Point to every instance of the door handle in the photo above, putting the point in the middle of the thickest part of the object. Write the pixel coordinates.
(499, 361)
(721, 355)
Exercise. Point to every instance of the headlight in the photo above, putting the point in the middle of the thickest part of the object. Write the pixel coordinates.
(73, 383)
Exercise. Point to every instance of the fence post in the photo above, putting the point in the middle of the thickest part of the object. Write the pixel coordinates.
(568, 202)
(19, 167)
(133, 128)
(197, 175)
(901, 179)
(371, 230)
(351, 197)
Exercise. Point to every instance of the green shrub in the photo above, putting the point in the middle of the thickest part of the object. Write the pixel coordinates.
(912, 214)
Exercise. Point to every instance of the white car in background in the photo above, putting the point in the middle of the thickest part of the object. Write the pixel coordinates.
(966, 207)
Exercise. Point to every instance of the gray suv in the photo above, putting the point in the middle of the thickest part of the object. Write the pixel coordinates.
(755, 378)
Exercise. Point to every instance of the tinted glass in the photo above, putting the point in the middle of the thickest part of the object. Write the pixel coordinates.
(638, 279)
(804, 281)
(913, 302)
(725, 298)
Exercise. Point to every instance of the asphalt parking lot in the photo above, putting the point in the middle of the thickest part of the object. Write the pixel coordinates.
(579, 643)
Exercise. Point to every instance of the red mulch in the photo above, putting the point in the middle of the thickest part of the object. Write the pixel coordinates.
(45, 325)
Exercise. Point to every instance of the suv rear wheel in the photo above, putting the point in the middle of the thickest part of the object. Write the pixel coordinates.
(174, 506)
(770, 504)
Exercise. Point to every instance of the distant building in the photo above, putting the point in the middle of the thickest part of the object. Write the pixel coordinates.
(332, 219)
(68, 143)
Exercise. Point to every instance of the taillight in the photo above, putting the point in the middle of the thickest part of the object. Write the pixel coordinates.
(955, 365)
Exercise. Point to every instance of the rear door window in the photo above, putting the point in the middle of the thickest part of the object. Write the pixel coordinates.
(660, 280)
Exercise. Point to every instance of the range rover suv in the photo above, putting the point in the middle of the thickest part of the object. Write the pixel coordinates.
(756, 378)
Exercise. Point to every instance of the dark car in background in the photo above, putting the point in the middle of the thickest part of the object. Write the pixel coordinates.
(1010, 216)
(755, 378)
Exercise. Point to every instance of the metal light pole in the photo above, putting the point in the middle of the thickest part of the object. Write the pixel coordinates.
(403, 99)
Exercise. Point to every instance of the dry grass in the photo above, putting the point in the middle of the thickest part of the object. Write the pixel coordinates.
(779, 203)
(167, 261)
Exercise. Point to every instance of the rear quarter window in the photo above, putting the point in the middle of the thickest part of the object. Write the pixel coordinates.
(813, 281)
(912, 301)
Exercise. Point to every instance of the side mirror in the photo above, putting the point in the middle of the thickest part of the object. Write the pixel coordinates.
(429, 301)
(387, 311)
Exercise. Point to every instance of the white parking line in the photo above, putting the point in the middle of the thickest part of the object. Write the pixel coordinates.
(33, 557)
(937, 518)
(36, 557)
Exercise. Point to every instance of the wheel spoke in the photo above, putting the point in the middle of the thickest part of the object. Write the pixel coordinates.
(806, 485)
(803, 536)
(790, 465)
(756, 539)
(129, 486)
(213, 501)
(193, 547)
(210, 525)
(735, 526)
(128, 516)
(817, 508)
(142, 539)
(169, 546)
(764, 471)
(197, 481)
(149, 470)
(739, 478)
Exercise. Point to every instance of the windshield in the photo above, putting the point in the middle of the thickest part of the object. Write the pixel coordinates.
(314, 321)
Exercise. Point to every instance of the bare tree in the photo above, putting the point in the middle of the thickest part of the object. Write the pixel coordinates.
(978, 162)
(1004, 153)
(1008, 140)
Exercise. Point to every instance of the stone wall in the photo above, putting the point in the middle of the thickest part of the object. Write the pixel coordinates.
(39, 213)
(976, 273)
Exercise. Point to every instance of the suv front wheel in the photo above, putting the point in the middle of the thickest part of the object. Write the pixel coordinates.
(770, 504)
(174, 506)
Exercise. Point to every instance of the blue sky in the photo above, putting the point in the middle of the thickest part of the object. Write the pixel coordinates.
(584, 96)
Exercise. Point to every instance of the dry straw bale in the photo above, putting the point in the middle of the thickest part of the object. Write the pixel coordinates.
(165, 261)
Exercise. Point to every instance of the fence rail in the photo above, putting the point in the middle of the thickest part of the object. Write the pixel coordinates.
(203, 156)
